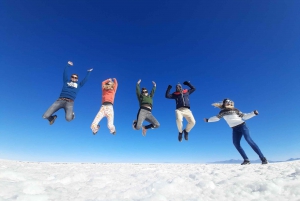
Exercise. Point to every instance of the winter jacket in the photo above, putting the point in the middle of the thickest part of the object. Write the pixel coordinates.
(232, 116)
(181, 98)
(108, 96)
(70, 89)
(145, 100)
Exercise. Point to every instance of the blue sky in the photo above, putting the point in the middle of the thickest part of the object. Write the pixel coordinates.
(245, 51)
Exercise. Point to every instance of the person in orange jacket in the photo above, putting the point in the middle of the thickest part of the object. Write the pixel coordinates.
(109, 88)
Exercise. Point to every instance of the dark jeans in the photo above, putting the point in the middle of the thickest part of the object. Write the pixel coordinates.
(68, 107)
(237, 133)
(143, 115)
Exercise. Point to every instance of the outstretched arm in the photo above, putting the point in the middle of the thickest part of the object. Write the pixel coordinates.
(212, 119)
(65, 74)
(86, 77)
(246, 116)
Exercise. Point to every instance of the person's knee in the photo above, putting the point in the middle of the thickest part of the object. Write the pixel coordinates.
(156, 125)
(69, 118)
(138, 127)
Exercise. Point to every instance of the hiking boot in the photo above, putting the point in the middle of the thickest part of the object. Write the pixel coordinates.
(186, 135)
(264, 161)
(144, 130)
(53, 119)
(95, 131)
(134, 124)
(180, 137)
(246, 162)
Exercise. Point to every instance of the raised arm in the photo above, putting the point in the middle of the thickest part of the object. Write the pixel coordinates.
(192, 88)
(116, 84)
(86, 77)
(168, 95)
(138, 90)
(153, 89)
(65, 74)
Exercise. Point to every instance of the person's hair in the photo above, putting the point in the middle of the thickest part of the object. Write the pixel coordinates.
(75, 74)
(109, 85)
(221, 104)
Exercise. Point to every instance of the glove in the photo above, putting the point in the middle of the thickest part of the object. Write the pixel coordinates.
(186, 83)
(169, 87)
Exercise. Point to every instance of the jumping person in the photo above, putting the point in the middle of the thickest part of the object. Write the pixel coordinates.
(67, 96)
(235, 119)
(109, 88)
(145, 112)
(181, 97)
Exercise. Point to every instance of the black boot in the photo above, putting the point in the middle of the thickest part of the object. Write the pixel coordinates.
(186, 135)
(180, 137)
(246, 162)
(52, 120)
(264, 161)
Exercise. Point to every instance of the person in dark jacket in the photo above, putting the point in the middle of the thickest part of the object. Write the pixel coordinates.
(67, 96)
(145, 112)
(181, 97)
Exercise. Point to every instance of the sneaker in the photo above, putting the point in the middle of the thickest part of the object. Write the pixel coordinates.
(144, 130)
(53, 119)
(134, 124)
(73, 115)
(114, 132)
(264, 161)
(180, 137)
(96, 131)
(186, 135)
(246, 162)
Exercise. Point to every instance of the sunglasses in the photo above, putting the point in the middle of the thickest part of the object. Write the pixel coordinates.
(227, 102)
(145, 91)
(74, 77)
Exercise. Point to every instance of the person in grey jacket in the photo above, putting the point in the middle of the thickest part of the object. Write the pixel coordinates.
(181, 97)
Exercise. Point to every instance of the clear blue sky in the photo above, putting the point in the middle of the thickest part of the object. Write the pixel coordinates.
(246, 51)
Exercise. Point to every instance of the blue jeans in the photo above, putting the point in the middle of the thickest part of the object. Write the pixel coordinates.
(68, 107)
(237, 133)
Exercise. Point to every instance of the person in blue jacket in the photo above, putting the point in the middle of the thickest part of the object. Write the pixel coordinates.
(67, 96)
(181, 97)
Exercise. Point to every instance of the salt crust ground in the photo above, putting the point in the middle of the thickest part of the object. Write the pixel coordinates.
(33, 181)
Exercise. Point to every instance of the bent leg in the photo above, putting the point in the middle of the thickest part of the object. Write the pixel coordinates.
(52, 109)
(152, 120)
(69, 111)
(109, 113)
(190, 119)
(179, 119)
(141, 116)
(97, 119)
